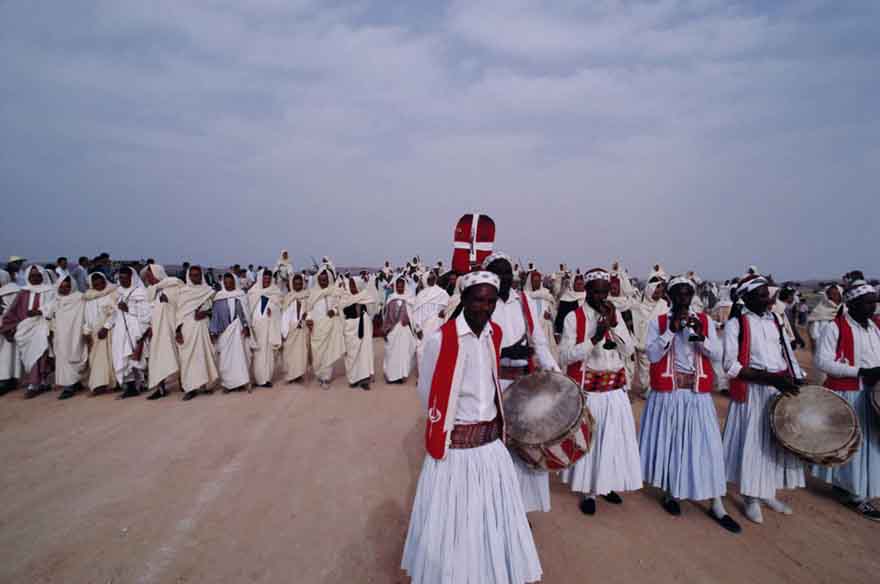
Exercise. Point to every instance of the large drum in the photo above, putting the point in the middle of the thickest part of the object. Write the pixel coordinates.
(548, 423)
(817, 425)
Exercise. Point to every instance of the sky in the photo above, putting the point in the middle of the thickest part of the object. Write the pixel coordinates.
(701, 134)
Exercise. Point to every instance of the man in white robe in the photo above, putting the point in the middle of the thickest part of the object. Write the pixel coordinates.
(67, 339)
(358, 304)
(760, 363)
(198, 369)
(101, 298)
(545, 306)
(265, 306)
(25, 323)
(428, 310)
(400, 339)
(231, 330)
(163, 360)
(652, 305)
(130, 322)
(295, 350)
(10, 364)
(325, 327)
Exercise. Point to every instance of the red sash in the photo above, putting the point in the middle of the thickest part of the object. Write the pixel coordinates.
(662, 372)
(530, 324)
(846, 353)
(739, 389)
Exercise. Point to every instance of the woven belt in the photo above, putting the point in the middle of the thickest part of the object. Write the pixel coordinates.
(512, 373)
(684, 380)
(602, 381)
(474, 435)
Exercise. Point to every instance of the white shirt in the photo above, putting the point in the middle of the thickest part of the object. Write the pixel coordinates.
(766, 349)
(321, 307)
(866, 349)
(684, 351)
(595, 357)
(509, 316)
(61, 273)
(476, 397)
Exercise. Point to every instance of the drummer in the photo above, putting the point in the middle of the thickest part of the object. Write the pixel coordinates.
(760, 364)
(849, 353)
(680, 441)
(524, 347)
(595, 341)
(468, 523)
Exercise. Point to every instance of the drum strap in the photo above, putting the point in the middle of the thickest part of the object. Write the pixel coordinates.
(786, 348)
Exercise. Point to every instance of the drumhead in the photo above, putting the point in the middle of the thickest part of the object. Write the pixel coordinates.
(542, 407)
(814, 423)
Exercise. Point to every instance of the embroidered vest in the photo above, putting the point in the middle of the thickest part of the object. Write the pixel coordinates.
(662, 378)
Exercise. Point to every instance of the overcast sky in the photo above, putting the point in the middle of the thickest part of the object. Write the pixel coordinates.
(701, 134)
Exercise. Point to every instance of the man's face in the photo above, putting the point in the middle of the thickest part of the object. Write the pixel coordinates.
(504, 271)
(399, 286)
(323, 280)
(681, 295)
(759, 300)
(597, 292)
(125, 278)
(151, 279)
(62, 263)
(579, 284)
(453, 281)
(99, 283)
(65, 287)
(536, 280)
(228, 282)
(267, 279)
(35, 278)
(195, 276)
(432, 279)
(863, 307)
(352, 286)
(833, 294)
(297, 283)
(659, 291)
(615, 287)
(479, 304)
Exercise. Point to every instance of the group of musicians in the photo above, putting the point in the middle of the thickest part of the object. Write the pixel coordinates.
(469, 522)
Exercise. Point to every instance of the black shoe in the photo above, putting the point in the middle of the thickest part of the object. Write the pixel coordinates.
(67, 393)
(672, 507)
(365, 385)
(726, 522)
(867, 510)
(159, 393)
(267, 384)
(588, 506)
(130, 391)
(208, 391)
(32, 392)
(188, 396)
(613, 498)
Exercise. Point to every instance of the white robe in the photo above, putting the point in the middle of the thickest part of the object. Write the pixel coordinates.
(197, 365)
(67, 342)
(400, 345)
(163, 357)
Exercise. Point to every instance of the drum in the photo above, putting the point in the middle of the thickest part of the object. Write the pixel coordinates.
(817, 425)
(548, 423)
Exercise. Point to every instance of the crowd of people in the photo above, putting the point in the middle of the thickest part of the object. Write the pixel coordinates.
(468, 337)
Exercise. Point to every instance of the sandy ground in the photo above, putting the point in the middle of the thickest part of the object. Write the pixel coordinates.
(295, 484)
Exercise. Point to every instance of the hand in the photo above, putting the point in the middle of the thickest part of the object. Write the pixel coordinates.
(310, 323)
(10, 335)
(32, 313)
(419, 335)
(87, 339)
(123, 306)
(202, 314)
(102, 334)
(442, 314)
(149, 333)
(331, 313)
(247, 332)
(547, 315)
(163, 298)
(870, 375)
(269, 312)
(178, 336)
(696, 326)
(785, 384)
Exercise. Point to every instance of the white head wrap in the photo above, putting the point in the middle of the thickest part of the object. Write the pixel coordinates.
(497, 256)
(858, 289)
(751, 284)
(481, 277)
(597, 274)
(677, 280)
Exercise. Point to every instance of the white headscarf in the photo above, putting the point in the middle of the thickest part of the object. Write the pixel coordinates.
(827, 309)
(42, 288)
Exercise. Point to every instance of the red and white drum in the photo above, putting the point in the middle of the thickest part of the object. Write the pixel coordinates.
(548, 423)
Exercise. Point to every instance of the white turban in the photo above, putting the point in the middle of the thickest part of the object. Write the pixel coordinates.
(481, 277)
(858, 289)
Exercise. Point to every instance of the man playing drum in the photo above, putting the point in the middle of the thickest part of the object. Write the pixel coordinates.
(760, 362)
(595, 342)
(524, 343)
(679, 440)
(849, 353)
(468, 522)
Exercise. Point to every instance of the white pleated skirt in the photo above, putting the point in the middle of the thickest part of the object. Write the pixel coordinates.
(754, 461)
(680, 445)
(861, 475)
(534, 486)
(468, 524)
(613, 461)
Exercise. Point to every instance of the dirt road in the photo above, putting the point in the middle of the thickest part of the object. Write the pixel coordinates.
(295, 484)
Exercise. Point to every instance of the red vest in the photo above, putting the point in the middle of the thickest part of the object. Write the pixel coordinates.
(846, 353)
(436, 437)
(739, 389)
(574, 370)
(662, 371)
